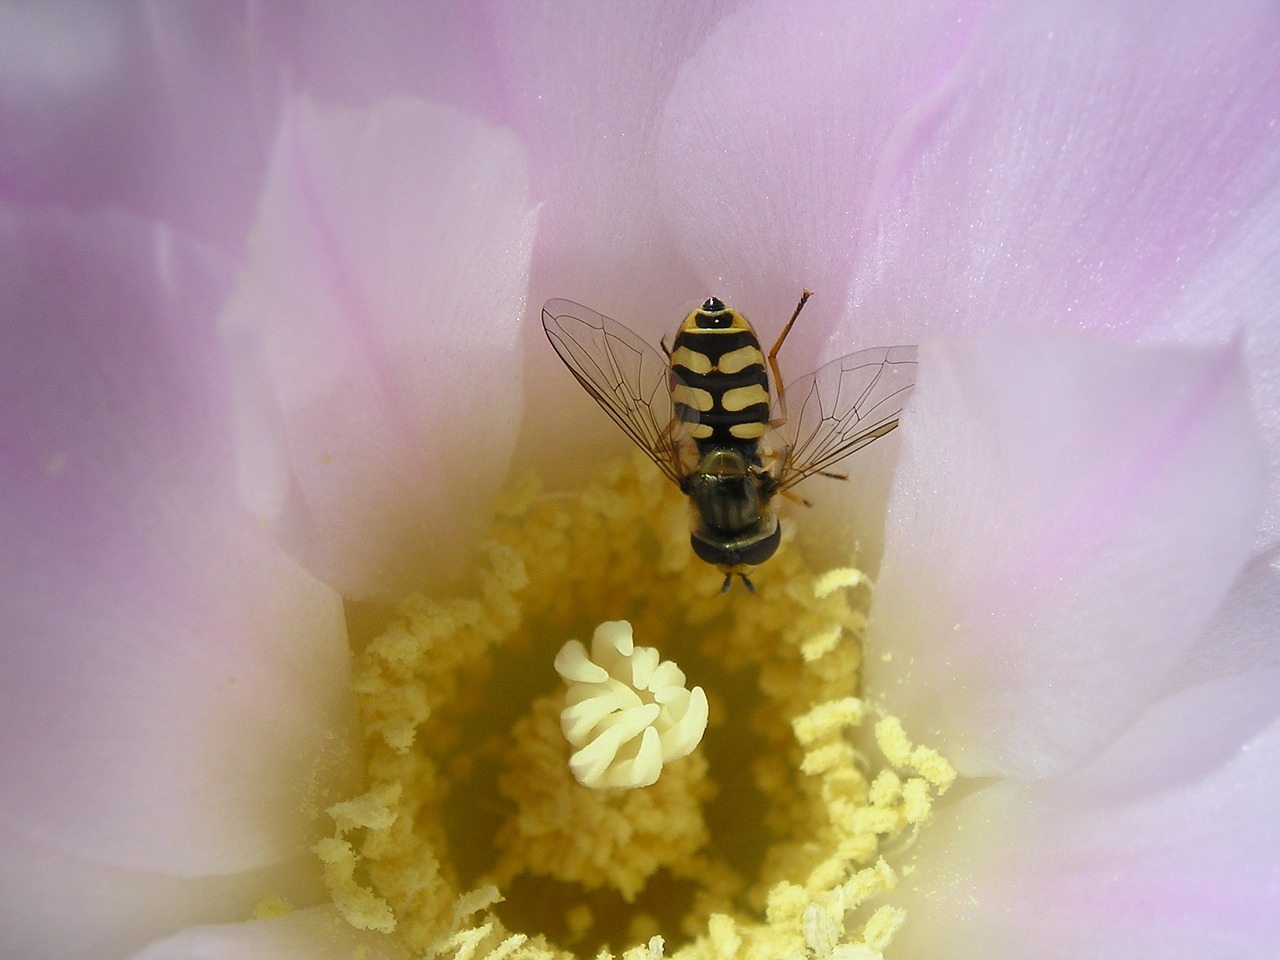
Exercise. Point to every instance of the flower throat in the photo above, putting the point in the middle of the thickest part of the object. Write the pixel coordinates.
(471, 838)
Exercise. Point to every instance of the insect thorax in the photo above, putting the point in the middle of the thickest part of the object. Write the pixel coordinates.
(728, 490)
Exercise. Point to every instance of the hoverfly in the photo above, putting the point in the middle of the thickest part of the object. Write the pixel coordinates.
(702, 412)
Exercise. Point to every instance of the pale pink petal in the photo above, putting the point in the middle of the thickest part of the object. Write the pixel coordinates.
(378, 332)
(1057, 160)
(146, 106)
(929, 168)
(1187, 870)
(1082, 165)
(1113, 168)
(169, 679)
(585, 86)
(316, 934)
(1066, 519)
(360, 53)
(1238, 288)
(1245, 635)
(54, 906)
(1179, 740)
(773, 141)
(845, 520)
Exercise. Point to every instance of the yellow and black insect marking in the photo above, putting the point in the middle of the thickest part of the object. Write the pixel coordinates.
(718, 380)
(720, 391)
(702, 412)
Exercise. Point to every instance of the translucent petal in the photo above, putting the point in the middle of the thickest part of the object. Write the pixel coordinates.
(1183, 872)
(1067, 517)
(376, 331)
(152, 630)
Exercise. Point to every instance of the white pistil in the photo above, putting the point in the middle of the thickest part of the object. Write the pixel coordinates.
(627, 711)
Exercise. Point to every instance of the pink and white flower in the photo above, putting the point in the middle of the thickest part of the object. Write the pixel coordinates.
(269, 342)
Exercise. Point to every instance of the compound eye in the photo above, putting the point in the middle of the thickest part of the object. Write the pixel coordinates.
(757, 553)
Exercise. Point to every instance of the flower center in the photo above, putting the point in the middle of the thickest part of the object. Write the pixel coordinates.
(474, 839)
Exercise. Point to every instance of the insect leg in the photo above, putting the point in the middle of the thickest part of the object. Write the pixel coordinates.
(773, 358)
(794, 498)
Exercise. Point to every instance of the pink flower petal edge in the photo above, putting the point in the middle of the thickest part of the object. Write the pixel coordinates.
(1182, 869)
(170, 678)
(1083, 166)
(772, 141)
(1067, 517)
(137, 106)
(61, 906)
(376, 331)
(1242, 636)
(316, 934)
(584, 85)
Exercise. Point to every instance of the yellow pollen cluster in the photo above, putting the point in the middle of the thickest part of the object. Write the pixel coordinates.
(472, 839)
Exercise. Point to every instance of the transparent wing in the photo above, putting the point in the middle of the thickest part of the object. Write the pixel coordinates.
(627, 377)
(840, 408)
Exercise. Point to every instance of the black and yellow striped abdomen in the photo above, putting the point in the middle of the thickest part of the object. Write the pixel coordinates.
(719, 381)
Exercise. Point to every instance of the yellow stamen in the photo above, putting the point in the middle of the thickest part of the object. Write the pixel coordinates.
(471, 839)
